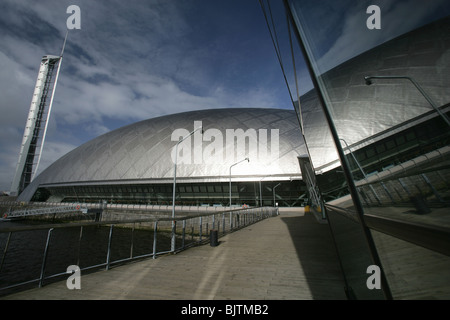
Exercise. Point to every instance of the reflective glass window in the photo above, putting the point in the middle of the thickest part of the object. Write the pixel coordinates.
(381, 74)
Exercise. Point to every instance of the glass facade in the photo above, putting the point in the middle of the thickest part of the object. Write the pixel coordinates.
(376, 124)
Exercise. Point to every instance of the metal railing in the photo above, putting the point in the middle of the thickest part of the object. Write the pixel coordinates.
(189, 231)
(425, 176)
(433, 237)
(42, 211)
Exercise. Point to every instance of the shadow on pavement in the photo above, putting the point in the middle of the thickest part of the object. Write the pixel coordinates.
(317, 255)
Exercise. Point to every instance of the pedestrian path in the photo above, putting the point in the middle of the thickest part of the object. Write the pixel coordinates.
(290, 256)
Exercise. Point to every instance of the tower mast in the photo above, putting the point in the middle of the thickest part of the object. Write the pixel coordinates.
(37, 122)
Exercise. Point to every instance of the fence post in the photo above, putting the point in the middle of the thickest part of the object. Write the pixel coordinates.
(173, 240)
(44, 260)
(108, 255)
(79, 245)
(155, 229)
(5, 250)
(132, 240)
(231, 220)
(200, 229)
(184, 234)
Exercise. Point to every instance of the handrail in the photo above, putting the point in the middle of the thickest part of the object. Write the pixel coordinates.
(432, 237)
(238, 218)
(400, 170)
(108, 222)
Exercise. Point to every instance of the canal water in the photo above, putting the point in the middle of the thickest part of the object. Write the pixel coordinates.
(84, 247)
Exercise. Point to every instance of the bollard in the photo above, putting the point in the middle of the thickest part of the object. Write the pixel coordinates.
(213, 238)
(420, 205)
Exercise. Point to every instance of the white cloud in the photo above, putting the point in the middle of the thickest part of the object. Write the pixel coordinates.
(130, 61)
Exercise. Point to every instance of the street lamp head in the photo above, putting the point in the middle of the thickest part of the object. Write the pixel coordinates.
(248, 160)
(368, 80)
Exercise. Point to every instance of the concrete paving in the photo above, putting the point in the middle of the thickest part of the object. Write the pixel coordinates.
(290, 256)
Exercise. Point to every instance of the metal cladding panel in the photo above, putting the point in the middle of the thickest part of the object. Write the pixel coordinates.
(143, 151)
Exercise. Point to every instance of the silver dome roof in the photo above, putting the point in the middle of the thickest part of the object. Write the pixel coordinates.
(142, 152)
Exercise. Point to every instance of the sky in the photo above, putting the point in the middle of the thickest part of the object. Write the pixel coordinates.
(138, 59)
(337, 29)
(130, 61)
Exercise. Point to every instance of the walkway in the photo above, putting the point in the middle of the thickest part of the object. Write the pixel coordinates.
(290, 256)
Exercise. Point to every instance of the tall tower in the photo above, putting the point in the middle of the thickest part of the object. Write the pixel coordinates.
(37, 122)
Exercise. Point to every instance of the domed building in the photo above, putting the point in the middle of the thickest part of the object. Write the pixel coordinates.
(136, 163)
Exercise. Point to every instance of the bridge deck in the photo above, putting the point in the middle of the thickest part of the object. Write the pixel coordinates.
(290, 256)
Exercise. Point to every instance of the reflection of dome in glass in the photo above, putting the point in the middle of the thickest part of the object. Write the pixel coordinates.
(364, 114)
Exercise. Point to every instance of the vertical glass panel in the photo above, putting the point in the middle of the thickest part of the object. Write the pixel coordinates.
(353, 252)
(382, 71)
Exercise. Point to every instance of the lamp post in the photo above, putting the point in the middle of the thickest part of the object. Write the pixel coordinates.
(260, 192)
(273, 190)
(369, 79)
(246, 159)
(175, 183)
